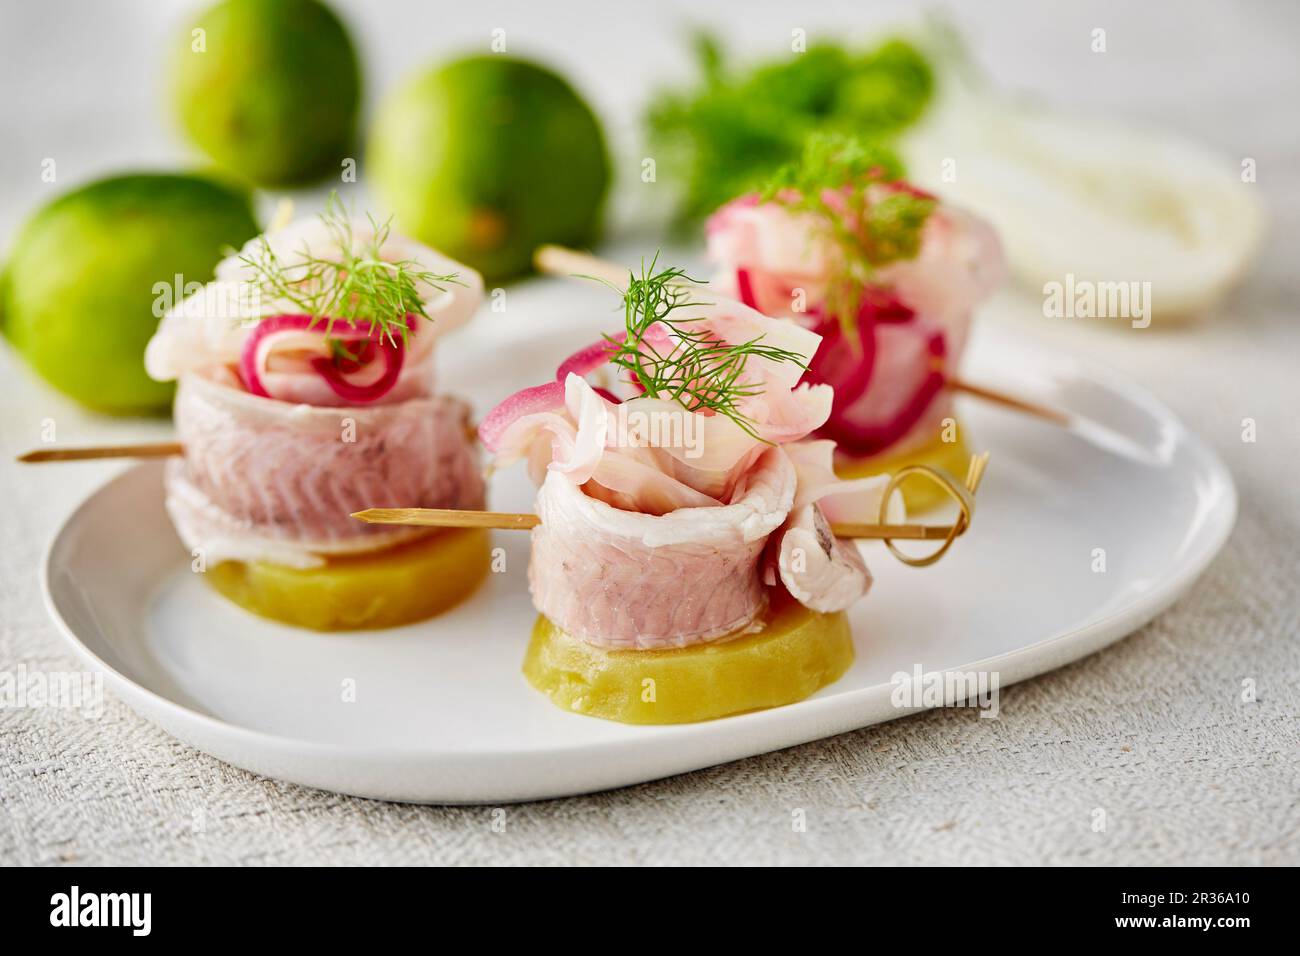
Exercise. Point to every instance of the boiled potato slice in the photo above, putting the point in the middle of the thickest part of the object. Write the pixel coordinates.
(796, 654)
(382, 589)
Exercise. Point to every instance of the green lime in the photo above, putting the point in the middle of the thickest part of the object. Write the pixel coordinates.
(486, 158)
(90, 273)
(269, 88)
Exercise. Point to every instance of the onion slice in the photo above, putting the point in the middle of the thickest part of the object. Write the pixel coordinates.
(586, 360)
(529, 401)
(549, 396)
(336, 372)
(869, 438)
(845, 369)
(745, 288)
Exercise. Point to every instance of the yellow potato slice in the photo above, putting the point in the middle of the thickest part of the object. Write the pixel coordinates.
(919, 494)
(386, 588)
(797, 653)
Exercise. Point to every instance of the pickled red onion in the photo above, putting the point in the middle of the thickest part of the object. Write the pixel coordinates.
(745, 288)
(862, 438)
(844, 368)
(528, 401)
(850, 372)
(550, 396)
(393, 358)
(586, 360)
(334, 372)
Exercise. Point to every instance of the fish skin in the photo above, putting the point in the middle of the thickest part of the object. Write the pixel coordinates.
(821, 572)
(622, 580)
(264, 479)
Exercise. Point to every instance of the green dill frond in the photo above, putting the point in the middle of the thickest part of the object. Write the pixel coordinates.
(728, 130)
(833, 161)
(830, 181)
(698, 372)
(357, 285)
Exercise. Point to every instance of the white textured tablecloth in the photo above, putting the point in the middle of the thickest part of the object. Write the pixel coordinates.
(1153, 731)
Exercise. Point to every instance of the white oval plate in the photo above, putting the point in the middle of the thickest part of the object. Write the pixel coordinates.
(441, 713)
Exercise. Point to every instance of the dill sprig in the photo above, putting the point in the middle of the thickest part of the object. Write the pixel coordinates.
(699, 372)
(726, 132)
(830, 181)
(359, 284)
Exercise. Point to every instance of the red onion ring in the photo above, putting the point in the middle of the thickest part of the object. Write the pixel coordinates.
(862, 440)
(586, 360)
(529, 401)
(837, 364)
(745, 288)
(392, 351)
(549, 396)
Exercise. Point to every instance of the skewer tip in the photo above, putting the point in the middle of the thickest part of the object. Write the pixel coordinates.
(975, 472)
(99, 452)
(550, 258)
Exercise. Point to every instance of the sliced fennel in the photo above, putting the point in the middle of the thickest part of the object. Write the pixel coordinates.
(1091, 200)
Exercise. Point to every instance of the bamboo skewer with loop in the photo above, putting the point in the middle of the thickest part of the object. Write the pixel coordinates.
(962, 494)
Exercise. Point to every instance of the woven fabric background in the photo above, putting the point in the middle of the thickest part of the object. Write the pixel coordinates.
(1153, 731)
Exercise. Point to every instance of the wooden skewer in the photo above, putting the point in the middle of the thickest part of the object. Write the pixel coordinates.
(1053, 415)
(521, 521)
(162, 449)
(449, 518)
(513, 521)
(560, 261)
(975, 471)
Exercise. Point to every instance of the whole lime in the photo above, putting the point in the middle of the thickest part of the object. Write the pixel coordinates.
(487, 157)
(89, 275)
(269, 88)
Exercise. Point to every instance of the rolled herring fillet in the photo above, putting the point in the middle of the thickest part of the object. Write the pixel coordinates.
(821, 572)
(623, 580)
(268, 480)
